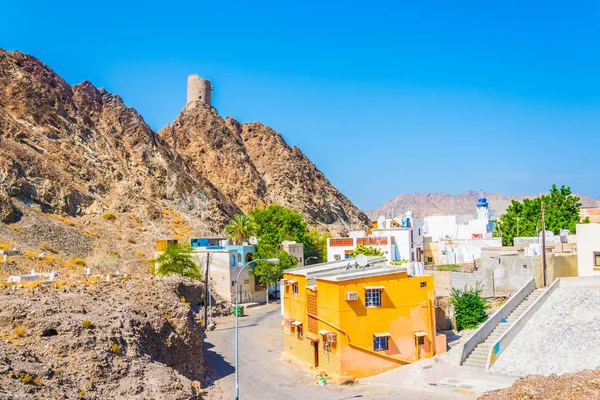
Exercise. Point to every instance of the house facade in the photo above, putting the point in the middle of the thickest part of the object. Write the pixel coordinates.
(352, 322)
(399, 239)
(588, 249)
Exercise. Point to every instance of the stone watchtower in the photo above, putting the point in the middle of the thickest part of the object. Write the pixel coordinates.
(198, 89)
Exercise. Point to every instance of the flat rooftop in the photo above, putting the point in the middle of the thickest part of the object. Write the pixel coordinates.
(344, 270)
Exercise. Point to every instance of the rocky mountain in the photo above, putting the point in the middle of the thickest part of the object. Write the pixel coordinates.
(424, 204)
(81, 170)
(254, 166)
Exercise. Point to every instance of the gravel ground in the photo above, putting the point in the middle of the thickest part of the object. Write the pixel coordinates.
(562, 336)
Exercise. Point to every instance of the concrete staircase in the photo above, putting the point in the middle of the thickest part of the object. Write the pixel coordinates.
(477, 359)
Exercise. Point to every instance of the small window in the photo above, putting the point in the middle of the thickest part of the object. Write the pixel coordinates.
(336, 257)
(232, 283)
(300, 260)
(420, 340)
(295, 288)
(597, 259)
(380, 343)
(373, 298)
(430, 260)
(239, 257)
(423, 285)
(300, 331)
(419, 231)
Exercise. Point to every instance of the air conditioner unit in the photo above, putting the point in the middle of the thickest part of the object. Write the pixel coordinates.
(351, 296)
(331, 338)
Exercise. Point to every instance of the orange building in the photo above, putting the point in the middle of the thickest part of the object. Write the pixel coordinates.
(353, 322)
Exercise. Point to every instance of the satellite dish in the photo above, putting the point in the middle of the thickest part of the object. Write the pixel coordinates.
(253, 240)
(362, 260)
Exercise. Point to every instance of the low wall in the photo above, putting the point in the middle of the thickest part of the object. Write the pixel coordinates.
(504, 340)
(488, 326)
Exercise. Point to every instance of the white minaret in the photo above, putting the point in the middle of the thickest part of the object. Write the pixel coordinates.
(483, 211)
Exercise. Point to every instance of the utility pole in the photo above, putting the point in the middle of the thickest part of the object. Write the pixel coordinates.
(206, 291)
(544, 243)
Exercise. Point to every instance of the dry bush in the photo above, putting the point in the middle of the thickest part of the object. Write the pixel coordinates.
(19, 331)
(109, 216)
(131, 240)
(115, 348)
(87, 324)
(31, 254)
(8, 245)
(91, 233)
(17, 229)
(75, 262)
(45, 246)
(27, 379)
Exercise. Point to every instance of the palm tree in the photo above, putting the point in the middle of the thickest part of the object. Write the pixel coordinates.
(241, 228)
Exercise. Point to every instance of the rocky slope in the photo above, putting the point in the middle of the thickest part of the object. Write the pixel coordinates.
(582, 385)
(254, 166)
(127, 339)
(78, 155)
(424, 204)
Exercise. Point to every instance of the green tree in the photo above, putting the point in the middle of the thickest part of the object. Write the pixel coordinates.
(525, 219)
(240, 228)
(318, 245)
(177, 260)
(274, 225)
(366, 250)
(469, 307)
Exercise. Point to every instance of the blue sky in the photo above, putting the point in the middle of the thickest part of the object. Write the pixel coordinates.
(384, 97)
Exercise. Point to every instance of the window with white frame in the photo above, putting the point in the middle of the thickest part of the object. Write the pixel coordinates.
(373, 297)
(596, 259)
(380, 343)
(295, 288)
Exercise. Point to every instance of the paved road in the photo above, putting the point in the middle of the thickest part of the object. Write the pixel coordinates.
(265, 376)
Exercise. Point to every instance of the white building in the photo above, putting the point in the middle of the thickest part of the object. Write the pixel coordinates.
(461, 226)
(399, 241)
(460, 237)
(588, 249)
(294, 249)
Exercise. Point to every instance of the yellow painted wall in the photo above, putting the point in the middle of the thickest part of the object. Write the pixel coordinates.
(430, 249)
(558, 265)
(565, 265)
(405, 309)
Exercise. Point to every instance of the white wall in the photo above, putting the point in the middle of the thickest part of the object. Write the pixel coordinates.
(464, 250)
(588, 243)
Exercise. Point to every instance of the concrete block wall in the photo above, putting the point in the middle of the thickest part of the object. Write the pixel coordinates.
(481, 278)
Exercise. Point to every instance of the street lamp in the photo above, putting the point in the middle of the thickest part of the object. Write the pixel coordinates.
(306, 261)
(237, 281)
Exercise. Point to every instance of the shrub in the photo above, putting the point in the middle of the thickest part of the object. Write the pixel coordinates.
(131, 240)
(16, 229)
(366, 250)
(87, 324)
(448, 267)
(177, 260)
(19, 331)
(469, 307)
(115, 348)
(27, 379)
(37, 381)
(76, 262)
(91, 233)
(109, 216)
(48, 247)
(31, 254)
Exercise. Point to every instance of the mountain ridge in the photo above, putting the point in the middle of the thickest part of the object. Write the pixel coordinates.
(438, 203)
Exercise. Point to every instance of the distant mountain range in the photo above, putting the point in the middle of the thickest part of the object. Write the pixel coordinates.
(425, 204)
